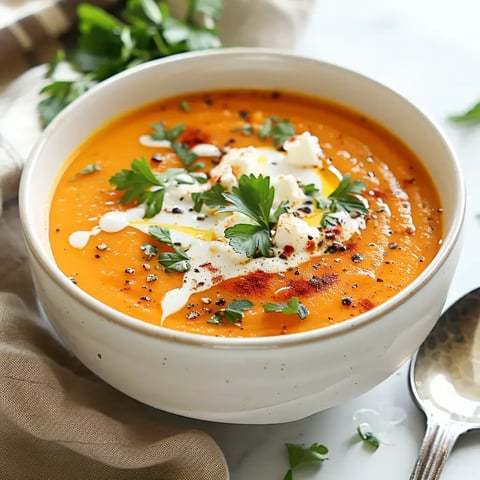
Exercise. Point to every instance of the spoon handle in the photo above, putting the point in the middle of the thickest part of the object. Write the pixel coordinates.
(438, 441)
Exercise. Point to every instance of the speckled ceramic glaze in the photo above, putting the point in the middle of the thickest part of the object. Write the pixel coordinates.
(256, 380)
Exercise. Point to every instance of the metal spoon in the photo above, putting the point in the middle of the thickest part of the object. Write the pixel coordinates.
(445, 381)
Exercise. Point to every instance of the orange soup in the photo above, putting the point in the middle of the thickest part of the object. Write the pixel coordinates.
(243, 213)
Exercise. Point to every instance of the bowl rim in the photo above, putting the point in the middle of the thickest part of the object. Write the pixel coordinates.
(109, 314)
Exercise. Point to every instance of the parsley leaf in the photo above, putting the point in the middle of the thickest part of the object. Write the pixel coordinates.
(141, 184)
(344, 199)
(212, 198)
(162, 133)
(252, 197)
(90, 168)
(279, 130)
(469, 117)
(300, 454)
(184, 105)
(176, 261)
(294, 306)
(107, 45)
(233, 313)
(187, 157)
(369, 438)
(137, 184)
(58, 95)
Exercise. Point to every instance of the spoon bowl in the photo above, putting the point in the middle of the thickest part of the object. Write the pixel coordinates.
(445, 382)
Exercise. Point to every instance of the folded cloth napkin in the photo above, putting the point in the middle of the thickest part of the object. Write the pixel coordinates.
(57, 420)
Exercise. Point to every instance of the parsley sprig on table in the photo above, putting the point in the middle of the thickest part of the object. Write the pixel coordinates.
(299, 455)
(176, 261)
(142, 185)
(471, 116)
(369, 438)
(253, 197)
(108, 45)
(294, 306)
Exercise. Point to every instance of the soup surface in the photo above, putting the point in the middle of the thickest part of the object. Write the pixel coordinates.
(243, 213)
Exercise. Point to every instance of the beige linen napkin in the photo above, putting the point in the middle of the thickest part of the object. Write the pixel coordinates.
(57, 420)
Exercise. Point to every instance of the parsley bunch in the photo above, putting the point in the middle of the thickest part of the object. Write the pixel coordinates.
(108, 45)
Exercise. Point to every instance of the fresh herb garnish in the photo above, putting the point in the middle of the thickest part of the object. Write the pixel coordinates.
(108, 45)
(184, 105)
(176, 261)
(233, 313)
(142, 185)
(160, 132)
(187, 157)
(369, 438)
(90, 168)
(246, 129)
(252, 197)
(212, 198)
(280, 130)
(299, 455)
(471, 116)
(344, 199)
(294, 306)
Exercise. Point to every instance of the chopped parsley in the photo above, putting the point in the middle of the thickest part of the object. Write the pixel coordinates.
(176, 261)
(184, 105)
(108, 45)
(233, 313)
(344, 199)
(280, 130)
(90, 168)
(212, 198)
(294, 306)
(300, 454)
(369, 438)
(187, 157)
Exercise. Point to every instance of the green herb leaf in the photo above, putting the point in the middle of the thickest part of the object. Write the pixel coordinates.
(58, 57)
(184, 105)
(162, 133)
(345, 198)
(107, 45)
(186, 156)
(369, 438)
(142, 185)
(251, 240)
(470, 116)
(92, 167)
(252, 197)
(57, 95)
(279, 130)
(176, 261)
(294, 306)
(300, 454)
(137, 184)
(212, 198)
(233, 313)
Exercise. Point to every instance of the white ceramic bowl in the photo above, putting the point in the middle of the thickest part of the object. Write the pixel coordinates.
(251, 380)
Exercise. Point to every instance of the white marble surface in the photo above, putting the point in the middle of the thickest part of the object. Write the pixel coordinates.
(427, 50)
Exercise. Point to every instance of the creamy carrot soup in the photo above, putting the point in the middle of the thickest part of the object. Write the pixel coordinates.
(243, 213)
